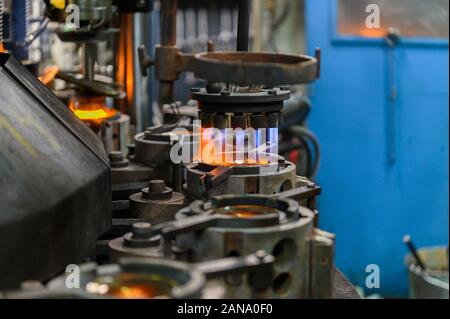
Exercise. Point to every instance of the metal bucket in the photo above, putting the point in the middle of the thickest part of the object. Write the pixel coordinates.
(432, 284)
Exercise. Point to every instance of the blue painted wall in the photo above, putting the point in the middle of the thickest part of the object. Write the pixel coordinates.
(367, 201)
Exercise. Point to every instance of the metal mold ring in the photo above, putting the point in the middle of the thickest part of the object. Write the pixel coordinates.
(247, 68)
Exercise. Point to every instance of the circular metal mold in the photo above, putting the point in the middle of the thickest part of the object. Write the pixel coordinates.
(263, 101)
(262, 179)
(151, 150)
(249, 68)
(154, 148)
(262, 96)
(243, 211)
(289, 239)
(183, 281)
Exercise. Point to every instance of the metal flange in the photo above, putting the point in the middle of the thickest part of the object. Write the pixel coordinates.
(247, 68)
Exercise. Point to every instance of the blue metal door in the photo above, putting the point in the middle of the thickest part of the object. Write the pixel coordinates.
(383, 125)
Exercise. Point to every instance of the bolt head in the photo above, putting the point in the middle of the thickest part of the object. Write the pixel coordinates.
(141, 230)
(157, 186)
(115, 156)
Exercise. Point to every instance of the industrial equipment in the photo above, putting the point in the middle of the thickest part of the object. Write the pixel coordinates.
(203, 194)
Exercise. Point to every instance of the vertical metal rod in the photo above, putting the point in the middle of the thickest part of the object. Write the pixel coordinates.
(243, 30)
(177, 178)
(169, 22)
(89, 52)
(168, 38)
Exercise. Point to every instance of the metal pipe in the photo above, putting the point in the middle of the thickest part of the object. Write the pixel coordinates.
(89, 51)
(243, 30)
(168, 38)
(169, 22)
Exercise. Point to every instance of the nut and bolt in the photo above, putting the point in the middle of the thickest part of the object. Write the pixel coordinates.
(141, 230)
(157, 186)
(157, 190)
(117, 160)
(142, 235)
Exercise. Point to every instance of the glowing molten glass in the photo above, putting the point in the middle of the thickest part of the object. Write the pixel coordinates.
(132, 286)
(245, 211)
(92, 109)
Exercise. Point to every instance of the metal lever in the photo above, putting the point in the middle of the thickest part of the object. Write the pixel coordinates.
(218, 175)
(145, 61)
(188, 225)
(259, 265)
(91, 85)
(171, 230)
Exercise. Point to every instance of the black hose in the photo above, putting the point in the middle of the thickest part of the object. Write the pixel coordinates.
(243, 30)
(288, 147)
(305, 134)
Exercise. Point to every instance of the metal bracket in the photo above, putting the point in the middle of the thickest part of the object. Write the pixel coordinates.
(322, 265)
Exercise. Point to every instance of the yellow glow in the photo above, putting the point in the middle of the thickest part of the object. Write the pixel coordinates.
(91, 114)
(92, 109)
(58, 4)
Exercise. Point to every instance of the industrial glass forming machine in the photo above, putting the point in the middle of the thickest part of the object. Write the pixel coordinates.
(167, 211)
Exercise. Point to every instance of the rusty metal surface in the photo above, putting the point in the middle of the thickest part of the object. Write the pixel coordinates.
(241, 68)
(247, 68)
(168, 39)
(54, 181)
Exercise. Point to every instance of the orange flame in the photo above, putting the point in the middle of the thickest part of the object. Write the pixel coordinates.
(49, 74)
(219, 155)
